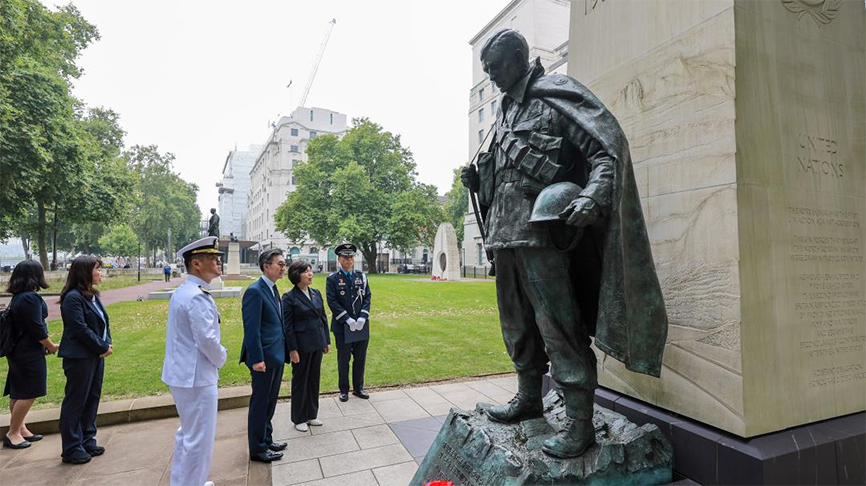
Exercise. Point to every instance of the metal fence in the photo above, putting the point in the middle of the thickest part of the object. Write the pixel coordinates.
(473, 271)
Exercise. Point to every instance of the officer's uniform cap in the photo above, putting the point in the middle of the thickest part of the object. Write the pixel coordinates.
(209, 245)
(346, 250)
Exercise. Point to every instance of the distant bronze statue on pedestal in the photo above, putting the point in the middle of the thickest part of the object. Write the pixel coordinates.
(213, 224)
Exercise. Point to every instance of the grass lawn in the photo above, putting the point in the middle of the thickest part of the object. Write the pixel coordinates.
(420, 331)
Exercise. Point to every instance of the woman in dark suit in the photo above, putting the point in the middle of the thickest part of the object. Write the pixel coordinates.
(85, 343)
(25, 381)
(307, 340)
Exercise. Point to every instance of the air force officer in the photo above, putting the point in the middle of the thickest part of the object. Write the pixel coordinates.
(193, 356)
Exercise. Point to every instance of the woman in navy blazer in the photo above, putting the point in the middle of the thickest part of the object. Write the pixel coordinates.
(85, 343)
(307, 340)
(27, 376)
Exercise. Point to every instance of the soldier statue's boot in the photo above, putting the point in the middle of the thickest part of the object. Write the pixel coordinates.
(526, 404)
(578, 433)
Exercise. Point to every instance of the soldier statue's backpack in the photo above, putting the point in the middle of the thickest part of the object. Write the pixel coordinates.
(8, 339)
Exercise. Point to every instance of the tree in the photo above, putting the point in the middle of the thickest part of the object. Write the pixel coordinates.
(119, 241)
(456, 205)
(163, 201)
(362, 189)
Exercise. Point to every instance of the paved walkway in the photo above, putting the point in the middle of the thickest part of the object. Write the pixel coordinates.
(113, 296)
(363, 442)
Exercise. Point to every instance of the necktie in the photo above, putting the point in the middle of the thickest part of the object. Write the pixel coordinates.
(277, 297)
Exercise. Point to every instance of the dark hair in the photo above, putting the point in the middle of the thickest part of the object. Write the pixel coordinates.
(509, 38)
(296, 269)
(267, 256)
(80, 277)
(26, 276)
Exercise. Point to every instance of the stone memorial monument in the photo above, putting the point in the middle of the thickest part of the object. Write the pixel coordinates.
(746, 122)
(446, 255)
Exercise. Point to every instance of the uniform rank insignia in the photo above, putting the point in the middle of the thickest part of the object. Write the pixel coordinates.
(204, 289)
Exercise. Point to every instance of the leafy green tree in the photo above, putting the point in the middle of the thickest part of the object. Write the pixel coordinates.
(120, 240)
(456, 205)
(362, 189)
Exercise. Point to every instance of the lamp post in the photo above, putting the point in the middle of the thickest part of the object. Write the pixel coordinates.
(139, 260)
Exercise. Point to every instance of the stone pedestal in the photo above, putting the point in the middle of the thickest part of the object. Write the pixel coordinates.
(471, 450)
(446, 255)
(234, 259)
(746, 121)
(217, 284)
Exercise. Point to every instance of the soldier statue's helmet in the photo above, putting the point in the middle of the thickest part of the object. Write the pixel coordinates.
(346, 250)
(552, 200)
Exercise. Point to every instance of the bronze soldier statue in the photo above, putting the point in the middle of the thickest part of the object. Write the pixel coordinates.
(213, 224)
(587, 270)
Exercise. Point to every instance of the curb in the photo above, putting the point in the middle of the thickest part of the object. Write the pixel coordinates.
(116, 412)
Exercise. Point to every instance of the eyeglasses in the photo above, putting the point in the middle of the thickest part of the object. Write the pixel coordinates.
(281, 264)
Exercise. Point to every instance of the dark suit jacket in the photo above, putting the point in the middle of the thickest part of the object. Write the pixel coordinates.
(304, 321)
(83, 327)
(263, 327)
(28, 322)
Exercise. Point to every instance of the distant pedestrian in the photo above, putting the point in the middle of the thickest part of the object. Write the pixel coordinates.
(85, 344)
(193, 357)
(349, 300)
(27, 375)
(167, 271)
(307, 340)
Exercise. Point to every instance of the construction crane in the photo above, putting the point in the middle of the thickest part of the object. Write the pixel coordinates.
(316, 63)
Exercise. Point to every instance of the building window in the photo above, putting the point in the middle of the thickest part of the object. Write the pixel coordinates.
(294, 132)
(293, 149)
(313, 134)
(294, 181)
(481, 94)
(480, 136)
(493, 108)
(480, 252)
(311, 115)
(481, 115)
(332, 118)
(294, 163)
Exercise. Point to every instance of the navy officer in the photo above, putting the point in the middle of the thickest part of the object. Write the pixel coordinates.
(349, 300)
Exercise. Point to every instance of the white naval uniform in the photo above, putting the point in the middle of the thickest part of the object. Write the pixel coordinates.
(193, 356)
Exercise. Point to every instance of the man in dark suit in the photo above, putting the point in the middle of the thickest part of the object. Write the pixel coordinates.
(264, 352)
(349, 300)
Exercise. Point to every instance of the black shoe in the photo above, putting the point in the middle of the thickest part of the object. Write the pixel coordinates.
(76, 459)
(33, 438)
(361, 394)
(9, 445)
(266, 456)
(278, 446)
(95, 450)
(344, 397)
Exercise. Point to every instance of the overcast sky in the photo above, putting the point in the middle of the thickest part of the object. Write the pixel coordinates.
(197, 77)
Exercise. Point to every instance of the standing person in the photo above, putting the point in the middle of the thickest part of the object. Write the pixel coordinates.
(193, 357)
(307, 340)
(166, 270)
(264, 352)
(85, 344)
(27, 374)
(349, 300)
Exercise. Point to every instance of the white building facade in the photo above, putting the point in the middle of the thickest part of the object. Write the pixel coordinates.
(234, 189)
(272, 177)
(545, 25)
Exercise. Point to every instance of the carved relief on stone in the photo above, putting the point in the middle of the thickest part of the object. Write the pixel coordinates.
(821, 11)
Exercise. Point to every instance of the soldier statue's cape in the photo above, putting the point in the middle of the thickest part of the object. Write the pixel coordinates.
(631, 322)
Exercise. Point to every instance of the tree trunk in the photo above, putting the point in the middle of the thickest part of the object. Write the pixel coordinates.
(40, 235)
(369, 252)
(54, 240)
(25, 243)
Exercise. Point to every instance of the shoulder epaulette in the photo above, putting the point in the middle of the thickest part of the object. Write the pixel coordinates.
(201, 287)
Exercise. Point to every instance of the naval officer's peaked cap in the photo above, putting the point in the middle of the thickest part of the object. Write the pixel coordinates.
(209, 245)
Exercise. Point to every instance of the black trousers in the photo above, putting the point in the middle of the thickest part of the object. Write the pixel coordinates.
(306, 376)
(80, 404)
(356, 351)
(540, 317)
(263, 403)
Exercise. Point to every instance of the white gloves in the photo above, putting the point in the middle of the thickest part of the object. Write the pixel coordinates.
(356, 325)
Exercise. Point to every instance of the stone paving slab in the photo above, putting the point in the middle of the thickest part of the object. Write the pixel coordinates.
(399, 410)
(350, 462)
(285, 474)
(375, 436)
(396, 475)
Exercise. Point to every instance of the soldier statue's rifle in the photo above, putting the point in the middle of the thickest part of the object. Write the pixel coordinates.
(473, 196)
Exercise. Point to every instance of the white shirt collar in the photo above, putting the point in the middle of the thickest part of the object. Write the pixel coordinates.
(268, 281)
(198, 281)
